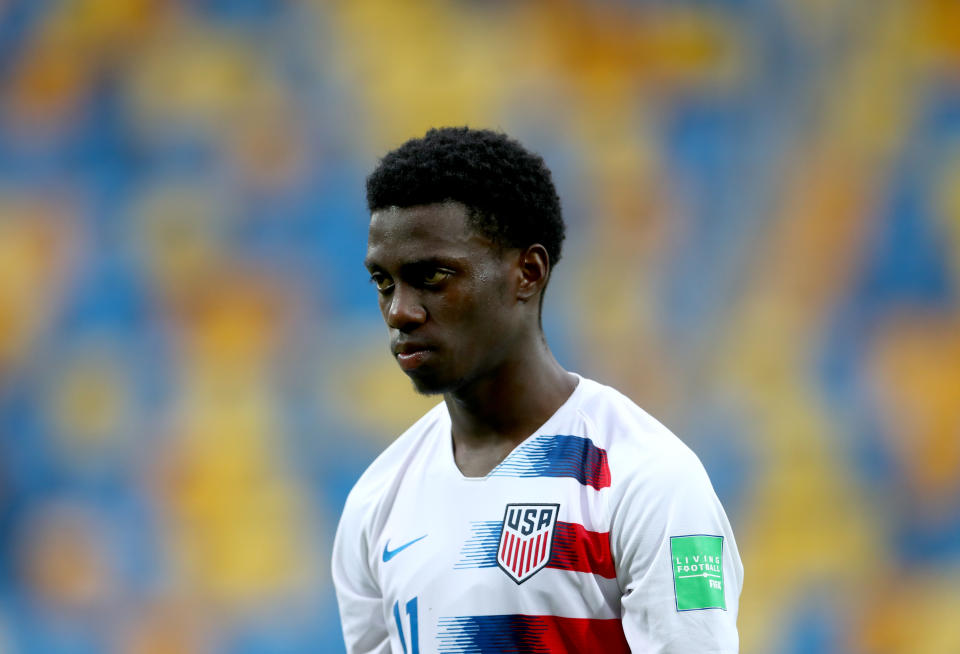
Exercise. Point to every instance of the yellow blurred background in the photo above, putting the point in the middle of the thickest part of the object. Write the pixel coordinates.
(763, 200)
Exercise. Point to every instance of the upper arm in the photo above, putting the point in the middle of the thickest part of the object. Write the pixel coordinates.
(668, 532)
(358, 593)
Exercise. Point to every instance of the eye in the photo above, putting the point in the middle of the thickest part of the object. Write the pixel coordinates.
(382, 282)
(435, 276)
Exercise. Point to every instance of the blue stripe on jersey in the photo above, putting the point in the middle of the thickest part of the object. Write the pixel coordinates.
(490, 633)
(536, 634)
(558, 456)
(480, 550)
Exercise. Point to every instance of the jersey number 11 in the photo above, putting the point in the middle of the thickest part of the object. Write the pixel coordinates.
(414, 635)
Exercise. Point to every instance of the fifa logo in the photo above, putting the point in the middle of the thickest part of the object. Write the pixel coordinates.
(526, 539)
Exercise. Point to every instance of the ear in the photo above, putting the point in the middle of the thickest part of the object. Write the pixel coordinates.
(534, 270)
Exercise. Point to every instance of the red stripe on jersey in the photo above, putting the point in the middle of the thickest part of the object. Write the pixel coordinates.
(575, 548)
(581, 635)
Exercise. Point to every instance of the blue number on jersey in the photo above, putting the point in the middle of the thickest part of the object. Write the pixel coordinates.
(414, 628)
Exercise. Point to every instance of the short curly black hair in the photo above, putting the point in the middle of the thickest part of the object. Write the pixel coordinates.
(508, 191)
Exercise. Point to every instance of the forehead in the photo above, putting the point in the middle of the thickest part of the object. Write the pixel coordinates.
(399, 235)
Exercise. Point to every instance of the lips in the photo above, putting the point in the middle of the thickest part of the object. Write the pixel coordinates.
(411, 355)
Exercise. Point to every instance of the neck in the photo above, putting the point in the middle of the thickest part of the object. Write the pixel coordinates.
(493, 414)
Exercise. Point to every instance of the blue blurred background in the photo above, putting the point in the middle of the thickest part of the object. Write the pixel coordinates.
(763, 200)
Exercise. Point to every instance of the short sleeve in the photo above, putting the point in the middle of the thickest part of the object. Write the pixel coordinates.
(358, 594)
(677, 562)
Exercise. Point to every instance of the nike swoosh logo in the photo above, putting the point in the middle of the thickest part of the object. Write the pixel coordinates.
(389, 554)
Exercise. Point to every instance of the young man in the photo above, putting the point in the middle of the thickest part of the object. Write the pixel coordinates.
(533, 510)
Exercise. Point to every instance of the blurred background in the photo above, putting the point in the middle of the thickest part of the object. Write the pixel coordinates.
(763, 199)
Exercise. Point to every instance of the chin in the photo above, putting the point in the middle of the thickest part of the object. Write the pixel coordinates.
(428, 387)
(427, 384)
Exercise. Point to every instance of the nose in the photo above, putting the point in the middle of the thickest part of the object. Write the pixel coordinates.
(404, 311)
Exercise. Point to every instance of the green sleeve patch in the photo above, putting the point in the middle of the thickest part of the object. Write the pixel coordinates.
(697, 563)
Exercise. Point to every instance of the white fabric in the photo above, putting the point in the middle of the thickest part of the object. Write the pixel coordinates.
(658, 489)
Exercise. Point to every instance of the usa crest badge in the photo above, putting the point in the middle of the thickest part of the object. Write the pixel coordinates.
(526, 539)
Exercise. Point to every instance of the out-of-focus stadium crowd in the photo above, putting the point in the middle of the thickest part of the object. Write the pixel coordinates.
(763, 201)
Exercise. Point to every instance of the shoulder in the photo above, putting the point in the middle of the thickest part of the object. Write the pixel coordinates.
(380, 476)
(658, 485)
(639, 447)
(618, 423)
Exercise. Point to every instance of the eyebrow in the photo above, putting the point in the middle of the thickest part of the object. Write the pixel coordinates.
(419, 263)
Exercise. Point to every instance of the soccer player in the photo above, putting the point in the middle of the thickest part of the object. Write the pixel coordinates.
(533, 510)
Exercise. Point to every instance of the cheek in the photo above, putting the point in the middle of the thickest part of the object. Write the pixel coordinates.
(456, 314)
(477, 309)
(485, 316)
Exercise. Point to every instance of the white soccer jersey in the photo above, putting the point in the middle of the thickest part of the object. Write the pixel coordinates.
(599, 533)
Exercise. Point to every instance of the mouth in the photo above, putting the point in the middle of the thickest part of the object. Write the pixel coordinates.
(411, 356)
